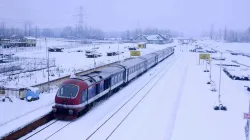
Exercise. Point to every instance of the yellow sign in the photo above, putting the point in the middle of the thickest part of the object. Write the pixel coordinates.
(135, 53)
(205, 56)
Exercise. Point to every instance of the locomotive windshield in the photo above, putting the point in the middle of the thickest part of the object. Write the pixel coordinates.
(68, 91)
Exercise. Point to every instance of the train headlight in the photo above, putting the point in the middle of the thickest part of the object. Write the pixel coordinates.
(71, 112)
(54, 109)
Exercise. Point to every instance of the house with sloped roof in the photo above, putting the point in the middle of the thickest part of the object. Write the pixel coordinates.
(151, 39)
(4, 42)
(22, 41)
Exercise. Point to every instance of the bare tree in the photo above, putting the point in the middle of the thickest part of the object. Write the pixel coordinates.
(212, 31)
(29, 27)
(25, 28)
(3, 29)
(225, 33)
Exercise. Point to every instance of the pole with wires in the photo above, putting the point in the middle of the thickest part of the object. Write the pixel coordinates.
(220, 106)
(210, 61)
(220, 79)
(118, 53)
(94, 58)
(47, 55)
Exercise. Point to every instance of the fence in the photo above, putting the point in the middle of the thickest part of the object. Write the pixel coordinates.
(9, 92)
(23, 64)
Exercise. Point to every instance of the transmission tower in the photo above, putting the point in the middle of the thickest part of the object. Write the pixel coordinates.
(80, 22)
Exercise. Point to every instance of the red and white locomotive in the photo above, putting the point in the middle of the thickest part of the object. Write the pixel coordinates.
(79, 93)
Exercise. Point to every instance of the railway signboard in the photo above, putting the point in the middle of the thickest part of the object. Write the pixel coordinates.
(247, 116)
(204, 56)
(135, 53)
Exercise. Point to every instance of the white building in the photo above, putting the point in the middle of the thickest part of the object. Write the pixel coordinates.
(152, 39)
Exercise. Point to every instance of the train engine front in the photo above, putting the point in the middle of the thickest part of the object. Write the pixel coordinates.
(70, 99)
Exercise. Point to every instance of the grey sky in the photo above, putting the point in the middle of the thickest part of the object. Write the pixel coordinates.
(189, 16)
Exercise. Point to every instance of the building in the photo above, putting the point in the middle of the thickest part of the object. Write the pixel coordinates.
(152, 39)
(31, 41)
(5, 43)
(22, 41)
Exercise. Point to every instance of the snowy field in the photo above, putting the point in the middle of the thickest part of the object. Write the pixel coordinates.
(67, 61)
(179, 105)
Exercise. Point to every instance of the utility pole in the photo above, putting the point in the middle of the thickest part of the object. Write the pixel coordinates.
(118, 53)
(210, 61)
(220, 79)
(47, 52)
(94, 58)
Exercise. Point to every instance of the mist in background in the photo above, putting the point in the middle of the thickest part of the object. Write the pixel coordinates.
(190, 17)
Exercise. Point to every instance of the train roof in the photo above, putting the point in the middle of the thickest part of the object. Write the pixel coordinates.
(130, 62)
(86, 79)
(148, 56)
(159, 52)
(112, 69)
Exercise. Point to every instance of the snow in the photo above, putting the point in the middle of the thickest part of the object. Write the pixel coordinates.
(69, 61)
(16, 114)
(196, 118)
(179, 106)
(83, 126)
(154, 37)
(158, 106)
(14, 119)
(30, 37)
(240, 72)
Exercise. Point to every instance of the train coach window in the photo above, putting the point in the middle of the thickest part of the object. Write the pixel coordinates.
(84, 96)
(101, 86)
(113, 80)
(91, 92)
(116, 78)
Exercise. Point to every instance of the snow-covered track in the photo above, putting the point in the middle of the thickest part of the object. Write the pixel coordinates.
(4, 123)
(48, 130)
(107, 127)
(19, 132)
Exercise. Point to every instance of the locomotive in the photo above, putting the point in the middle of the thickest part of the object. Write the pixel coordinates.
(78, 94)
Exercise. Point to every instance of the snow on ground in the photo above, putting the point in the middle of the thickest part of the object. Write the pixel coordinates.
(20, 112)
(8, 110)
(80, 128)
(154, 117)
(69, 61)
(196, 118)
(239, 71)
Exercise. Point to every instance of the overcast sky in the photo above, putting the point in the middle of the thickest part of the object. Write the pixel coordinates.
(189, 16)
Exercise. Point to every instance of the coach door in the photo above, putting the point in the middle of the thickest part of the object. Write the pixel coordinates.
(99, 87)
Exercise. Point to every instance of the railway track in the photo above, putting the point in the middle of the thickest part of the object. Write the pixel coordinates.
(48, 130)
(127, 107)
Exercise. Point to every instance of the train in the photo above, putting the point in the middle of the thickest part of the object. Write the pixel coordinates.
(78, 94)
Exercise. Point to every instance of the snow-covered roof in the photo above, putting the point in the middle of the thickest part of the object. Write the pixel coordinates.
(154, 37)
(30, 37)
(142, 43)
